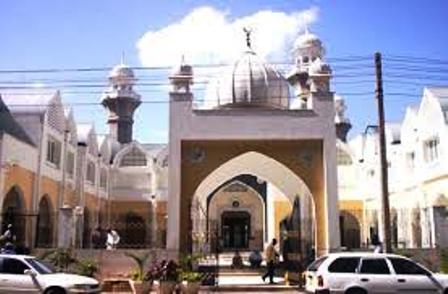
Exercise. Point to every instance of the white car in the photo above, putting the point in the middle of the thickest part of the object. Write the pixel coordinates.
(365, 273)
(26, 274)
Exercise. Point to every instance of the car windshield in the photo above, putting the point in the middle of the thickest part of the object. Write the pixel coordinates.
(39, 266)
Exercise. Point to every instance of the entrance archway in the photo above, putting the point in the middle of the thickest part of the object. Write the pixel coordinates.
(44, 232)
(13, 212)
(268, 170)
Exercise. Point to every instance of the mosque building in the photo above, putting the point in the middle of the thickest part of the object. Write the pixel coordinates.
(264, 156)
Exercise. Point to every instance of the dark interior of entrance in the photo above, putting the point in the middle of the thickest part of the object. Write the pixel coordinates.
(235, 229)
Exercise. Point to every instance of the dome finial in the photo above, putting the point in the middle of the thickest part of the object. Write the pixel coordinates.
(248, 32)
(307, 30)
(122, 58)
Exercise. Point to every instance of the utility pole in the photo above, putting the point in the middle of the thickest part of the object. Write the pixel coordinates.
(383, 155)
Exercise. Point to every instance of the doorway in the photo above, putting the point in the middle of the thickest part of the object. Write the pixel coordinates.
(235, 228)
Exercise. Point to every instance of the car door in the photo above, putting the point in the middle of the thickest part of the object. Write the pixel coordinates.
(341, 273)
(12, 277)
(412, 278)
(375, 276)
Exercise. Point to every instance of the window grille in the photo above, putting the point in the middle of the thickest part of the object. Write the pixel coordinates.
(134, 158)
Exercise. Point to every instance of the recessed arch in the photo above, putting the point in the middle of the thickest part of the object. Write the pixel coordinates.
(45, 224)
(350, 230)
(264, 168)
(13, 212)
(259, 165)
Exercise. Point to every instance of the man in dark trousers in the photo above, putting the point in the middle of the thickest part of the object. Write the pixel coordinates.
(271, 255)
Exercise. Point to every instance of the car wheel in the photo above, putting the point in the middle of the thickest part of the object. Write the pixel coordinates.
(356, 291)
(55, 290)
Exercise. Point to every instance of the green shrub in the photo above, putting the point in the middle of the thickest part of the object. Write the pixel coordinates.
(61, 259)
(86, 267)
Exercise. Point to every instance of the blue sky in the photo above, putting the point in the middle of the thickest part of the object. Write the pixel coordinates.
(85, 33)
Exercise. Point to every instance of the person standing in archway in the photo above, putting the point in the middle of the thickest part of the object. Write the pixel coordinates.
(271, 256)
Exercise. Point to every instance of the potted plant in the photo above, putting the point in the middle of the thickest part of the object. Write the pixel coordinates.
(137, 273)
(191, 282)
(191, 278)
(169, 277)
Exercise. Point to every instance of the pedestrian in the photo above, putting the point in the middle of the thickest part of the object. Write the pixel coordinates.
(271, 256)
(378, 248)
(8, 235)
(112, 239)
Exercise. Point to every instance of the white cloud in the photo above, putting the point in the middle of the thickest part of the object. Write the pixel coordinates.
(207, 35)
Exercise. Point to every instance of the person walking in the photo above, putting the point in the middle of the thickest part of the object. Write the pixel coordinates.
(112, 239)
(271, 255)
(8, 235)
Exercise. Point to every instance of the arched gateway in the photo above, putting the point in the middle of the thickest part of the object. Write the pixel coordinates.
(252, 125)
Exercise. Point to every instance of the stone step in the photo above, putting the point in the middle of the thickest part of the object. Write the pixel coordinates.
(250, 288)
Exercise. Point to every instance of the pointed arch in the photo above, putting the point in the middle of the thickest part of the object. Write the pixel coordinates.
(259, 165)
(13, 212)
(264, 168)
(45, 224)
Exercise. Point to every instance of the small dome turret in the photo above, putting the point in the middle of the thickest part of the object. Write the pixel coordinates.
(307, 48)
(122, 74)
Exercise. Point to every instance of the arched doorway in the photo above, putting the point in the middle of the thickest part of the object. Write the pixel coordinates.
(44, 231)
(275, 174)
(133, 234)
(13, 212)
(350, 230)
(236, 210)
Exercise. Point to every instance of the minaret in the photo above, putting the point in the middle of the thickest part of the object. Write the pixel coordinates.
(310, 73)
(342, 123)
(121, 101)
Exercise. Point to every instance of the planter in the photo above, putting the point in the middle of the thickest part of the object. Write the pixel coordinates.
(139, 287)
(190, 287)
(167, 287)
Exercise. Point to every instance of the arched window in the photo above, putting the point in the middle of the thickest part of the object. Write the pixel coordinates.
(90, 172)
(135, 157)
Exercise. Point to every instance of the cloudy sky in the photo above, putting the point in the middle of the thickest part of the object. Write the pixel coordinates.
(52, 34)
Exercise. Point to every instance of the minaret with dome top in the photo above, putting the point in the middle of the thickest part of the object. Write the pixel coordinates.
(121, 100)
(311, 73)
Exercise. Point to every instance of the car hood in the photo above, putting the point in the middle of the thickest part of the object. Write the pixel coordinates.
(66, 279)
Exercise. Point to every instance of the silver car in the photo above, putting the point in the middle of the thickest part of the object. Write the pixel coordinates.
(366, 272)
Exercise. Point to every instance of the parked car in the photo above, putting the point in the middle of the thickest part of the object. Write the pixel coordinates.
(365, 273)
(27, 274)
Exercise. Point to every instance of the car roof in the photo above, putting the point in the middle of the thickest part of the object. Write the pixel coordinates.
(363, 254)
(18, 256)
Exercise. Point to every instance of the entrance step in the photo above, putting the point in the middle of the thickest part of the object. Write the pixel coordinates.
(248, 282)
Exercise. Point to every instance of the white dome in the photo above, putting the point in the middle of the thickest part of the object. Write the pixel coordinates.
(250, 82)
(309, 45)
(307, 40)
(122, 72)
